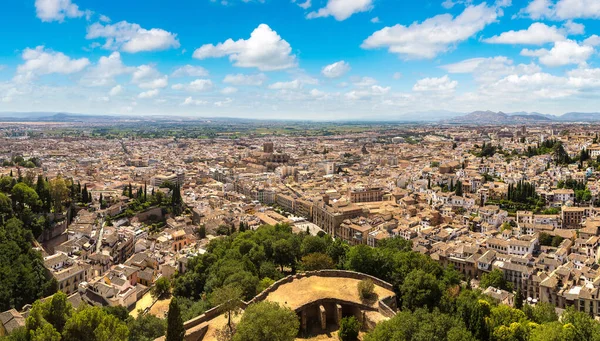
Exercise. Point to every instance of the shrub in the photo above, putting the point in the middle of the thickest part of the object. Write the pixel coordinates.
(366, 289)
(349, 328)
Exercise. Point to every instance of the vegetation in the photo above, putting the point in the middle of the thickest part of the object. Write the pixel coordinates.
(162, 288)
(366, 289)
(267, 321)
(495, 278)
(349, 329)
(435, 304)
(175, 329)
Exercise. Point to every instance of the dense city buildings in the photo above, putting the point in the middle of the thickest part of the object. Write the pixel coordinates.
(475, 198)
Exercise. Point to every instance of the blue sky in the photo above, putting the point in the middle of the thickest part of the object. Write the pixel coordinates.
(313, 59)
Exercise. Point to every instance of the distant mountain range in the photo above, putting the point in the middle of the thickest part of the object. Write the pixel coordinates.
(490, 117)
(440, 116)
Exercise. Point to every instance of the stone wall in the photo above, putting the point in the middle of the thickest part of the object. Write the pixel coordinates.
(321, 273)
(385, 308)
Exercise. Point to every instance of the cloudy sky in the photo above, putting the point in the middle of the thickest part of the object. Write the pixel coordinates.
(312, 59)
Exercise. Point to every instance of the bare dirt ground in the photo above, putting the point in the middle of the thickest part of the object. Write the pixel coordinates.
(306, 290)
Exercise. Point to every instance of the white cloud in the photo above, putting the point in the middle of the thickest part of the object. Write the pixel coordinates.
(104, 73)
(42, 61)
(441, 84)
(434, 35)
(198, 85)
(563, 53)
(147, 77)
(191, 71)
(397, 75)
(536, 34)
(592, 40)
(116, 90)
(305, 5)
(104, 18)
(264, 50)
(367, 93)
(149, 93)
(336, 70)
(375, 20)
(574, 28)
(229, 90)
(292, 85)
(365, 82)
(132, 38)
(241, 79)
(342, 9)
(563, 9)
(191, 101)
(486, 70)
(540, 85)
(56, 10)
(224, 103)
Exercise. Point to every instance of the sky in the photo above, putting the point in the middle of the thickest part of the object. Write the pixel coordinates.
(299, 59)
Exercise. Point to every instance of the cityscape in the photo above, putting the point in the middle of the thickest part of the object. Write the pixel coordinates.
(436, 179)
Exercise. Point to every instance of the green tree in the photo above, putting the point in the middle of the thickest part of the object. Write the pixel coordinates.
(495, 278)
(175, 329)
(146, 327)
(202, 232)
(541, 313)
(162, 288)
(420, 289)
(45, 333)
(25, 196)
(59, 193)
(317, 261)
(519, 299)
(420, 325)
(267, 321)
(93, 323)
(228, 299)
(349, 329)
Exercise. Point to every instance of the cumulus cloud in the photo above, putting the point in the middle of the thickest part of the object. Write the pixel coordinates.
(563, 53)
(305, 5)
(367, 92)
(42, 61)
(291, 85)
(104, 73)
(147, 77)
(115, 90)
(536, 34)
(592, 40)
(342, 9)
(190, 71)
(365, 82)
(132, 38)
(56, 10)
(241, 79)
(149, 93)
(191, 101)
(434, 35)
(264, 50)
(562, 9)
(229, 90)
(336, 70)
(487, 70)
(441, 84)
(198, 85)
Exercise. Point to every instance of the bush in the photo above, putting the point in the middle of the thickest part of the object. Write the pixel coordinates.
(349, 328)
(366, 289)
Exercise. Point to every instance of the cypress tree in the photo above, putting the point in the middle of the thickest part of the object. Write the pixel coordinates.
(84, 194)
(175, 329)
